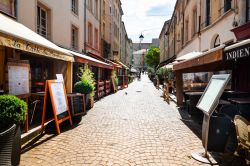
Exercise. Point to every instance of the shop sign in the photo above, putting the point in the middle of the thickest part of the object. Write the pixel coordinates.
(239, 52)
(32, 48)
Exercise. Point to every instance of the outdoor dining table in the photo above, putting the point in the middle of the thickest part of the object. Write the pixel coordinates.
(192, 94)
(192, 99)
(234, 94)
(243, 106)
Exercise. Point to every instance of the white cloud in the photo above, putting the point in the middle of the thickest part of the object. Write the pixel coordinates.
(137, 20)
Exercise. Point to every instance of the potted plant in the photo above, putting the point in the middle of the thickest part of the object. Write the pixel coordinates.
(12, 112)
(86, 85)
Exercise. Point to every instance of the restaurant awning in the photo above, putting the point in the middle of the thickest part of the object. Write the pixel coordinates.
(18, 36)
(124, 66)
(208, 57)
(166, 62)
(81, 58)
(116, 65)
(188, 56)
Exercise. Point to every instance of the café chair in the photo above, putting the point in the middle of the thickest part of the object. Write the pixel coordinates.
(34, 103)
(191, 104)
(243, 136)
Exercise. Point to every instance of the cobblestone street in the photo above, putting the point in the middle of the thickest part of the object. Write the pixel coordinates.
(131, 127)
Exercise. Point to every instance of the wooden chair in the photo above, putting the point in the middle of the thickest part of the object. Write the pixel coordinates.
(243, 135)
(166, 92)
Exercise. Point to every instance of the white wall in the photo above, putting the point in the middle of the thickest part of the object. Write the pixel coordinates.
(61, 19)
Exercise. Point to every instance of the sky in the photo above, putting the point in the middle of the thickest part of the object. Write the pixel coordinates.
(146, 17)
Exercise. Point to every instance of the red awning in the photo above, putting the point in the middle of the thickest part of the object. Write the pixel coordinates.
(116, 65)
(81, 58)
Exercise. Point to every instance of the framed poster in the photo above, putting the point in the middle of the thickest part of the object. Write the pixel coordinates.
(210, 98)
(18, 77)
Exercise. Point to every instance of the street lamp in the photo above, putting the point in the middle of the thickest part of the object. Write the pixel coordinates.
(141, 37)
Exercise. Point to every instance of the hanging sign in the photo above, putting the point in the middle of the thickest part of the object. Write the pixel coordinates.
(236, 53)
(55, 103)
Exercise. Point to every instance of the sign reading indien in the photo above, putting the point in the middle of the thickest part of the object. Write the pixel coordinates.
(239, 52)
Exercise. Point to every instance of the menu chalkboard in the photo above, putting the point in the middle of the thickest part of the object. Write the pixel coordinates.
(55, 98)
(77, 104)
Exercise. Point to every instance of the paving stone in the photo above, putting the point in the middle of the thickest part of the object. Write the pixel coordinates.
(134, 129)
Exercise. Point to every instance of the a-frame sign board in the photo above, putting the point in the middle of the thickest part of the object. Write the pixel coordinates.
(55, 105)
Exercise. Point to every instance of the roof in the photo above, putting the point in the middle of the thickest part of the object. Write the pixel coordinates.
(13, 28)
(142, 51)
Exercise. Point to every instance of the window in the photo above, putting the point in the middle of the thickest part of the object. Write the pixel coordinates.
(96, 38)
(207, 12)
(74, 37)
(74, 6)
(194, 21)
(8, 7)
(90, 5)
(90, 34)
(104, 7)
(227, 5)
(103, 30)
(186, 29)
(42, 22)
(96, 8)
(248, 10)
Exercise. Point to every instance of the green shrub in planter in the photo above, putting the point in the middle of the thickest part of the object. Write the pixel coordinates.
(12, 111)
(86, 84)
(83, 87)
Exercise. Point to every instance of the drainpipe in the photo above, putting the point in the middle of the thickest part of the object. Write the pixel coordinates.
(199, 31)
(183, 23)
(85, 28)
(100, 29)
(174, 37)
(164, 47)
(16, 8)
(168, 45)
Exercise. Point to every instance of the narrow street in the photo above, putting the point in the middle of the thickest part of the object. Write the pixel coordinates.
(131, 127)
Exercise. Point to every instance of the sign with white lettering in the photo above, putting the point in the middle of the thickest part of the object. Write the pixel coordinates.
(239, 52)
